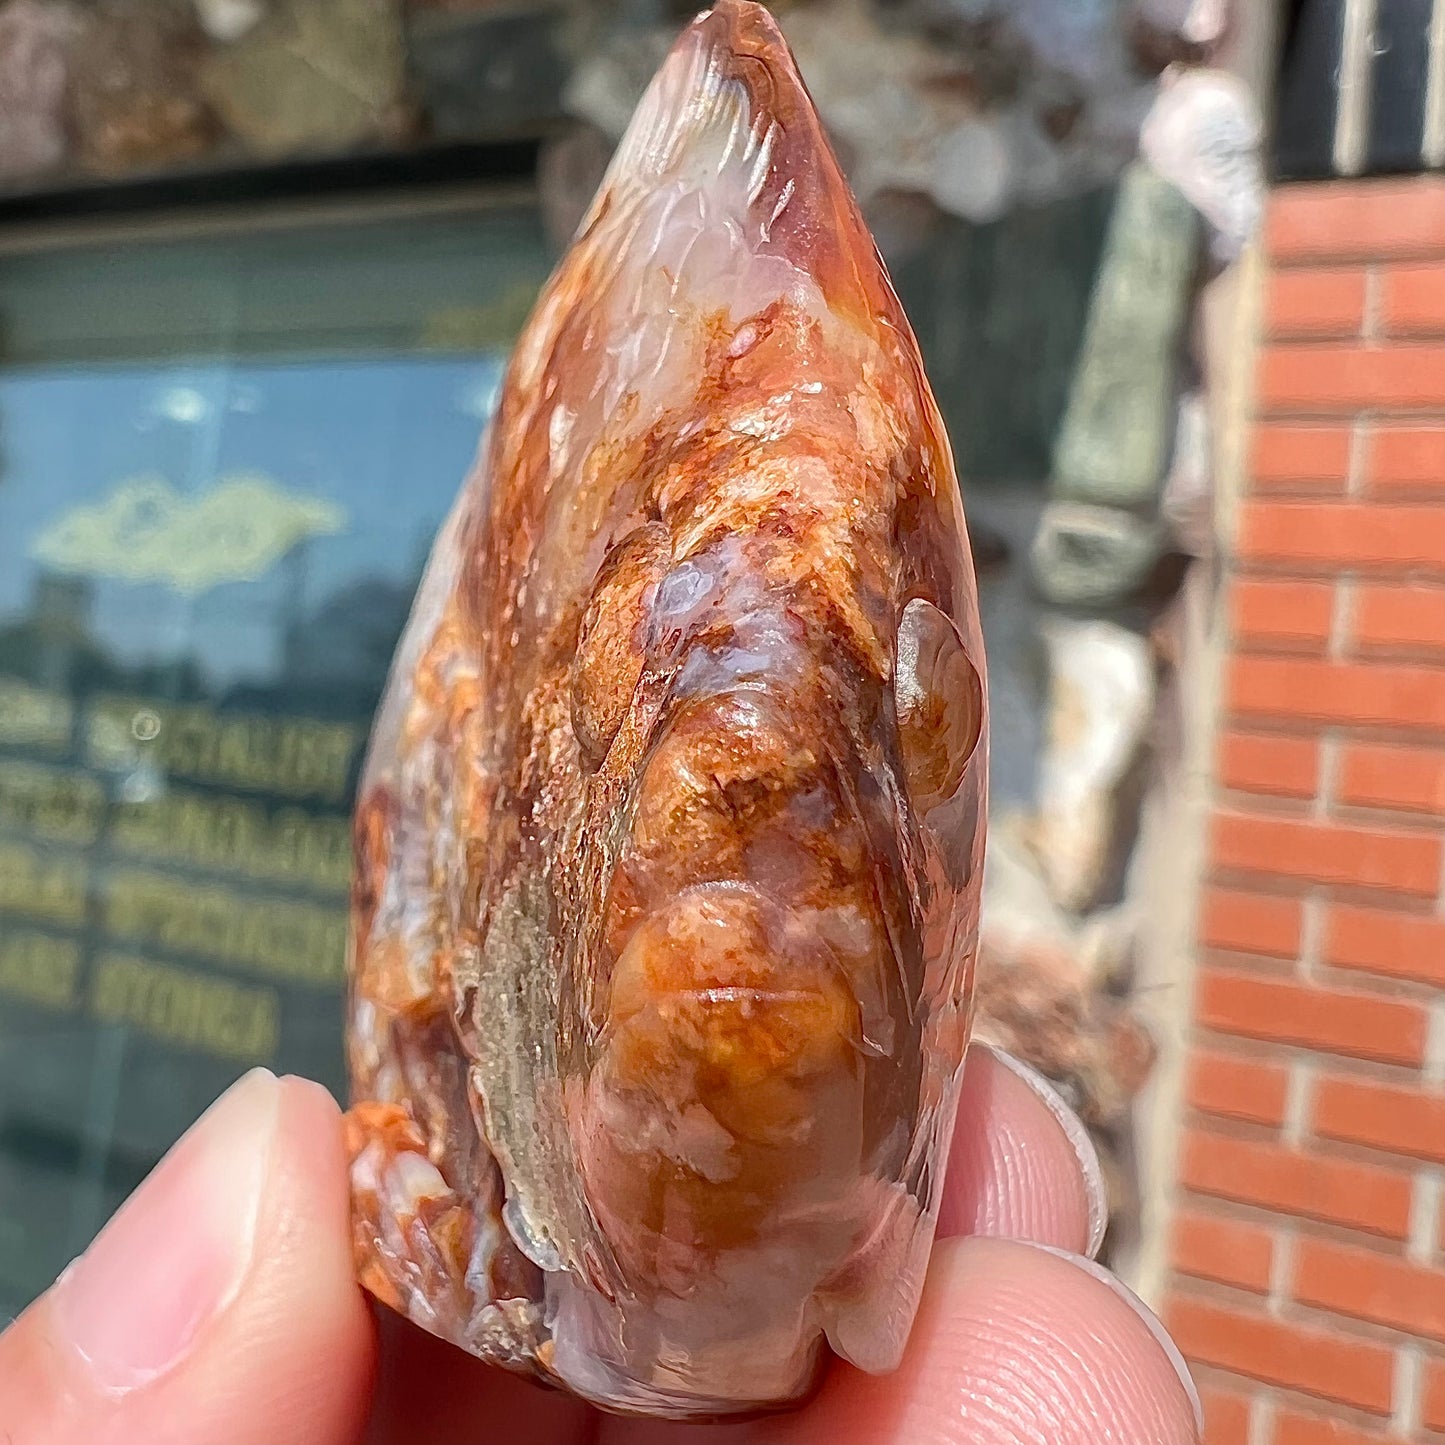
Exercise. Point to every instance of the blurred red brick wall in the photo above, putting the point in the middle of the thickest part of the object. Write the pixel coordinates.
(1308, 1253)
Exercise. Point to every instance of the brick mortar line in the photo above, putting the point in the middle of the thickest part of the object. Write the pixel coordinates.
(1342, 617)
(1235, 1294)
(1405, 571)
(1360, 980)
(1259, 800)
(1312, 935)
(1327, 1147)
(1267, 1216)
(1275, 807)
(1361, 435)
(1414, 254)
(1269, 807)
(1327, 786)
(1281, 1272)
(1341, 415)
(1237, 1048)
(1293, 725)
(1425, 1214)
(1288, 1397)
(1355, 981)
(1298, 1097)
(1304, 417)
(1387, 815)
(1407, 493)
(1261, 1420)
(1370, 328)
(1240, 798)
(1281, 1208)
(1327, 1152)
(1354, 502)
(1293, 1390)
(1403, 574)
(1344, 1066)
(1292, 1312)
(1345, 1049)
(1432, 1070)
(1300, 1316)
(1358, 345)
(1408, 1389)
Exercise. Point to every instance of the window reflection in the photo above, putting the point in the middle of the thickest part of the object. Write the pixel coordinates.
(213, 513)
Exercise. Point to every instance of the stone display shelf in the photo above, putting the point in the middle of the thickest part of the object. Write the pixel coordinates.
(195, 98)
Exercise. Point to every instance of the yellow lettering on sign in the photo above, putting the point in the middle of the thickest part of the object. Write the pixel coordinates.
(49, 803)
(298, 942)
(295, 757)
(214, 1015)
(38, 968)
(147, 531)
(50, 889)
(237, 836)
(30, 718)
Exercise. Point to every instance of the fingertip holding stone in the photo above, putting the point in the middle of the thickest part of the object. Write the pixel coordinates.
(1077, 1135)
(177, 1254)
(1151, 1321)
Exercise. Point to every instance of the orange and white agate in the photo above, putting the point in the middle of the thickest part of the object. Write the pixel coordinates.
(670, 839)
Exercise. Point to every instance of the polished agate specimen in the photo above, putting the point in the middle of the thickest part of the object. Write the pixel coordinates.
(669, 842)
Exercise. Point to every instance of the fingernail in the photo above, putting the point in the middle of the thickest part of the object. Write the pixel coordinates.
(1156, 1328)
(175, 1256)
(1075, 1133)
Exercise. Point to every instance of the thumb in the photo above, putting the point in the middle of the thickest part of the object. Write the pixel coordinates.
(218, 1307)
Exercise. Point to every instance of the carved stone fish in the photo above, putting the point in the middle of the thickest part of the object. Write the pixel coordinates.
(670, 838)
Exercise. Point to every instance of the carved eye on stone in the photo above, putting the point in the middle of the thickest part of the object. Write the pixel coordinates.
(938, 695)
(611, 642)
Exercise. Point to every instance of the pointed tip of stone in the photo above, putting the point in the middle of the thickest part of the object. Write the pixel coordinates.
(727, 84)
(728, 117)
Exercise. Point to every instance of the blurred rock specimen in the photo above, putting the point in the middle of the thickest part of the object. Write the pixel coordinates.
(134, 102)
(228, 20)
(1200, 23)
(1114, 444)
(1102, 698)
(1187, 505)
(487, 70)
(34, 66)
(1053, 989)
(1100, 538)
(1204, 134)
(312, 76)
(1085, 556)
(978, 105)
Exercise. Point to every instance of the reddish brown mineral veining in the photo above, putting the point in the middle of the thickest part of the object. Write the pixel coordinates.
(669, 843)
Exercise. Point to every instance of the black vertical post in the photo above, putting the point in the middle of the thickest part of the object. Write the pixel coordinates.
(1307, 99)
(1401, 44)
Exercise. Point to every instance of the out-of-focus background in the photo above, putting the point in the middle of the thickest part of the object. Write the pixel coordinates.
(1178, 270)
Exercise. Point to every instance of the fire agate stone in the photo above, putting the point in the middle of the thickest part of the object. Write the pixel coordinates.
(669, 842)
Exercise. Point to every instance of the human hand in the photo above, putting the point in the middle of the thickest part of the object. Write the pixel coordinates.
(219, 1308)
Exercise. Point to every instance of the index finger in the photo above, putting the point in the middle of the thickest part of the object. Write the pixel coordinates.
(219, 1305)
(1022, 1165)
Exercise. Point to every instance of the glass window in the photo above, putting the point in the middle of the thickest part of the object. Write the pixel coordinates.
(222, 462)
